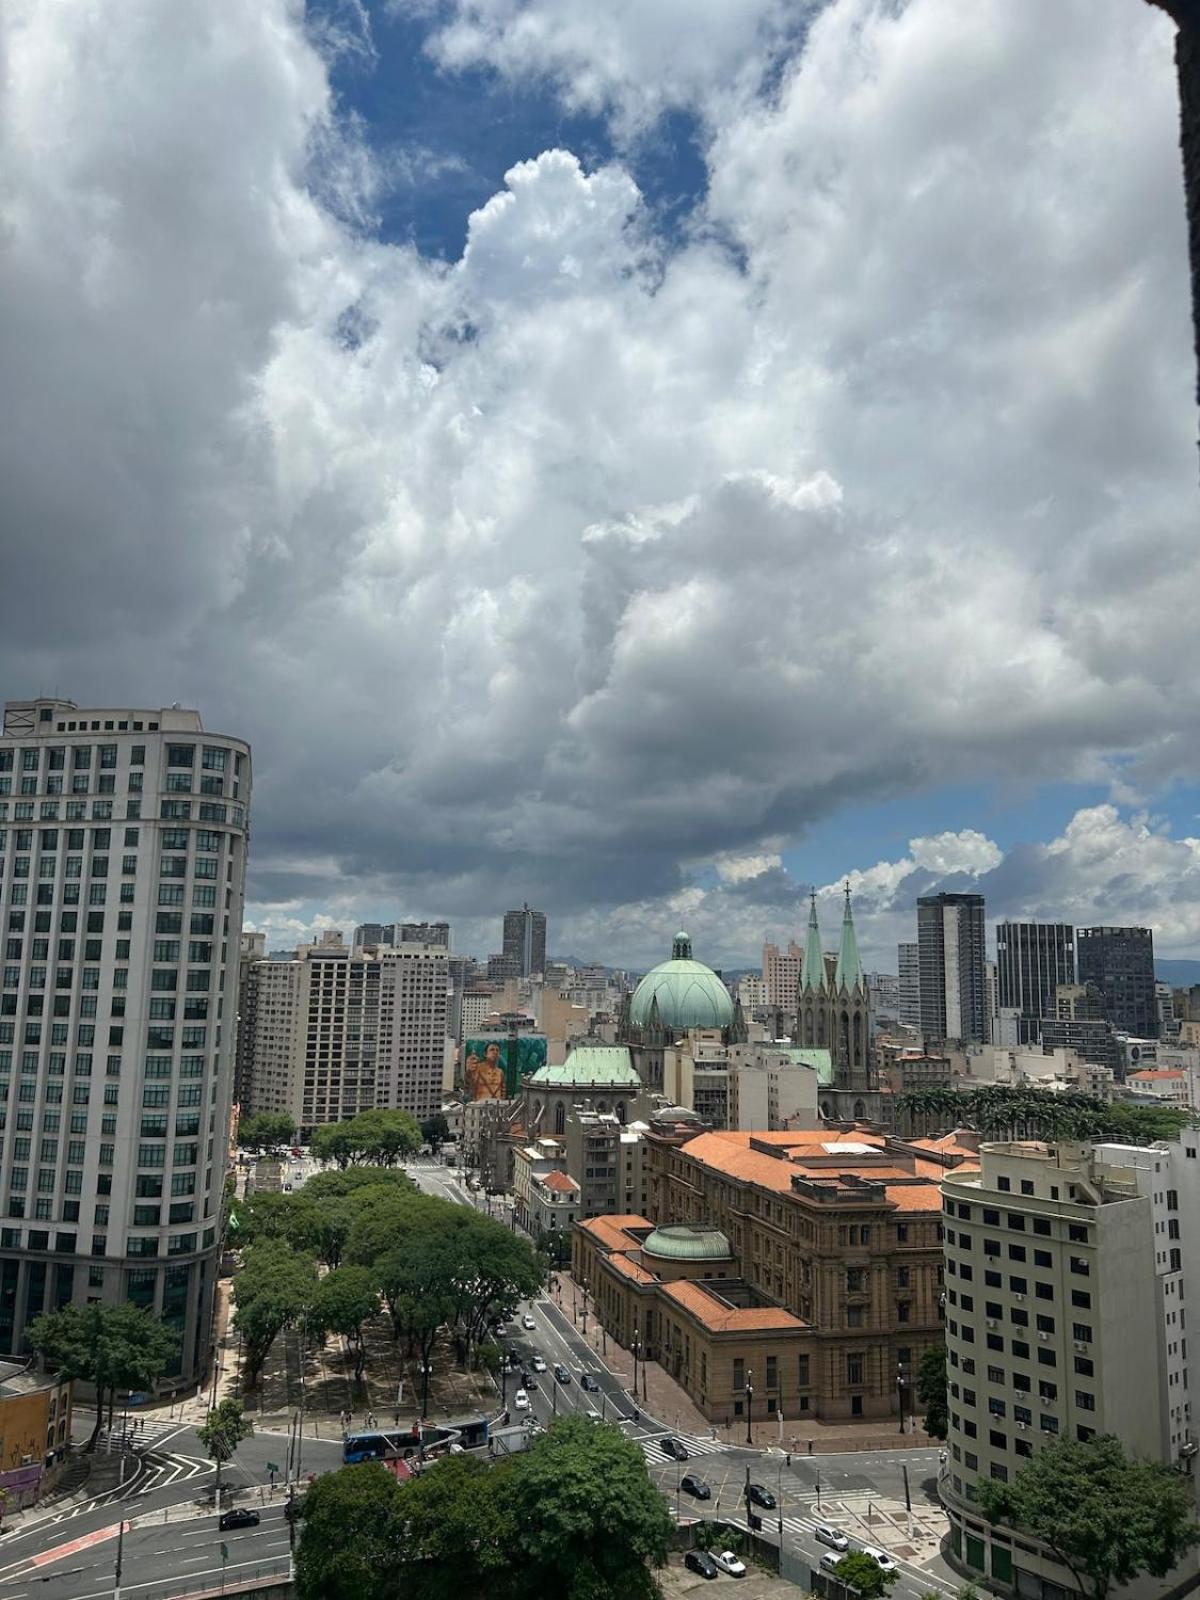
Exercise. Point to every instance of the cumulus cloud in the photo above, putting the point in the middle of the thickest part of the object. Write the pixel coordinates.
(570, 569)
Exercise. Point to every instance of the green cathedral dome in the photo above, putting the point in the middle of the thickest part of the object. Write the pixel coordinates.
(688, 994)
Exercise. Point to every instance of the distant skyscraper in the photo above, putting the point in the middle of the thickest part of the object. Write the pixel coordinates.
(951, 952)
(252, 950)
(909, 961)
(374, 934)
(781, 975)
(436, 934)
(1033, 960)
(122, 906)
(525, 940)
(1120, 962)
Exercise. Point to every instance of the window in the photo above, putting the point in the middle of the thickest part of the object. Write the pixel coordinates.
(181, 755)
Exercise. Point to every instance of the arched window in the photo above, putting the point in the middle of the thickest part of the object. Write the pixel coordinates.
(560, 1118)
(860, 1111)
(858, 1055)
(620, 1110)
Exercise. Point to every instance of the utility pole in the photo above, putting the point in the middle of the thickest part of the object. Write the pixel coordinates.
(120, 1555)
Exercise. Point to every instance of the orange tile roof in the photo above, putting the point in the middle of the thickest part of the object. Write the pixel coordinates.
(918, 1196)
(1159, 1072)
(947, 1143)
(629, 1269)
(729, 1154)
(719, 1318)
(610, 1231)
(559, 1182)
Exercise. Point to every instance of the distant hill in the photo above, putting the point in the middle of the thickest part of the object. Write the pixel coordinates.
(1180, 974)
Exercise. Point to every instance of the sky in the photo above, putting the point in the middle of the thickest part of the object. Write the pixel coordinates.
(641, 459)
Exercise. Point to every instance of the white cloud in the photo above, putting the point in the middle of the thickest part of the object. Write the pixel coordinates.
(558, 571)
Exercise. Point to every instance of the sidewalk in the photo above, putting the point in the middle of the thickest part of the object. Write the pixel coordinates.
(666, 1401)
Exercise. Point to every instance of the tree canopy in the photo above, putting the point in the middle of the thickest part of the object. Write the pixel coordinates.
(1023, 1111)
(263, 1130)
(1107, 1517)
(858, 1571)
(931, 1391)
(576, 1515)
(435, 1131)
(381, 1138)
(275, 1287)
(111, 1347)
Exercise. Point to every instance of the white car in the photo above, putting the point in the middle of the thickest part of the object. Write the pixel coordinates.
(833, 1537)
(728, 1562)
(528, 1322)
(521, 1400)
(829, 1561)
(880, 1557)
(538, 1364)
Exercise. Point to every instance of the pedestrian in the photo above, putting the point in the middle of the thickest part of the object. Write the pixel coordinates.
(395, 1419)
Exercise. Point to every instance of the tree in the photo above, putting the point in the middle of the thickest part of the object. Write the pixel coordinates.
(434, 1131)
(226, 1427)
(459, 1531)
(352, 1533)
(931, 1391)
(587, 1520)
(383, 1137)
(263, 1130)
(1106, 1517)
(274, 1287)
(343, 1301)
(110, 1347)
(868, 1577)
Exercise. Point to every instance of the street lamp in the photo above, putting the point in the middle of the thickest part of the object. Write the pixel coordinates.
(749, 1405)
(900, 1392)
(585, 1295)
(637, 1345)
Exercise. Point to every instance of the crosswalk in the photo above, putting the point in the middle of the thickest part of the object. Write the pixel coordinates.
(652, 1446)
(141, 1433)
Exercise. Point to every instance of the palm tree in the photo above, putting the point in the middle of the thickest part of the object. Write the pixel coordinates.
(1186, 15)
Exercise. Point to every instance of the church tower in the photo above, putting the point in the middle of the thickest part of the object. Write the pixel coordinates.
(834, 1013)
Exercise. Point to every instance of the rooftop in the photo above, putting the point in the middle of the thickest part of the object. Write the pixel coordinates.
(771, 1161)
(558, 1181)
(716, 1313)
(608, 1064)
(688, 1241)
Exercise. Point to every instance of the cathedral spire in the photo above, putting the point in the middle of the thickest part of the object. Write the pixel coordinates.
(849, 974)
(813, 976)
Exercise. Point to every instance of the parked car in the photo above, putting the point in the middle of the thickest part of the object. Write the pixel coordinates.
(880, 1557)
(239, 1517)
(758, 1496)
(561, 1373)
(673, 1448)
(528, 1322)
(521, 1400)
(700, 1561)
(691, 1484)
(729, 1563)
(833, 1537)
(589, 1383)
(829, 1561)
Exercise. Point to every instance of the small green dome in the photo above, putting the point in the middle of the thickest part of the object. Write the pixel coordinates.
(689, 994)
(687, 1241)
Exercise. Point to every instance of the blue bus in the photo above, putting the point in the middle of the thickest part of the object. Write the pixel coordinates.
(378, 1446)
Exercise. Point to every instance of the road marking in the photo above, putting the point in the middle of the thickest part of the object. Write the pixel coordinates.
(84, 1542)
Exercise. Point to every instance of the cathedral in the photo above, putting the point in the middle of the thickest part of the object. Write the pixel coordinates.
(833, 1006)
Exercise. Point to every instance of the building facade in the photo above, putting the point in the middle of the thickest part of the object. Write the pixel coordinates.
(834, 1011)
(1120, 963)
(251, 950)
(952, 952)
(1033, 961)
(781, 976)
(525, 942)
(843, 1232)
(338, 1031)
(121, 893)
(908, 960)
(1064, 1320)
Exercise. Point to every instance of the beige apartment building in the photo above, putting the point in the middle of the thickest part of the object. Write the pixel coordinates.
(1064, 1319)
(339, 1030)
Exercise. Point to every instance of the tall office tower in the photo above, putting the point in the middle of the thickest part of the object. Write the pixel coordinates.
(951, 953)
(339, 1031)
(252, 949)
(909, 963)
(1074, 1330)
(525, 940)
(374, 934)
(781, 975)
(123, 837)
(1033, 960)
(1120, 962)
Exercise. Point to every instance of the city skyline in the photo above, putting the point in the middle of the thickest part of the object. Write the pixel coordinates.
(275, 471)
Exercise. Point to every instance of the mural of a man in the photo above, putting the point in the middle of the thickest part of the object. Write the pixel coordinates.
(484, 1079)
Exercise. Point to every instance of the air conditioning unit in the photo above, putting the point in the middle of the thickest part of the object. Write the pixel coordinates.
(1019, 1297)
(1043, 1337)
(1080, 1345)
(1024, 1427)
(992, 1323)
